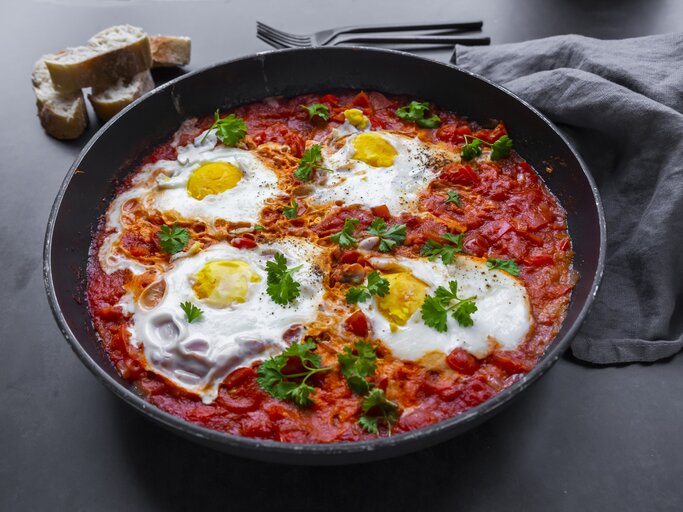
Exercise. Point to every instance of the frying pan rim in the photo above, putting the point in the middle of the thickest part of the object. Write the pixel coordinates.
(246, 446)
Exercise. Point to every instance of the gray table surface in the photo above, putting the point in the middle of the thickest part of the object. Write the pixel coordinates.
(583, 438)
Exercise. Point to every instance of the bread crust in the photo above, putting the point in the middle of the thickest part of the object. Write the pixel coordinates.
(62, 115)
(117, 52)
(109, 101)
(169, 51)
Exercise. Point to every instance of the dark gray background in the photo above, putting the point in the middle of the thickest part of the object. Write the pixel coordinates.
(583, 438)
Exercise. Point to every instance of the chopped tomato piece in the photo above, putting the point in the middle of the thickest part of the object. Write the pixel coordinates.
(459, 175)
(243, 243)
(357, 323)
(239, 376)
(453, 133)
(539, 260)
(349, 257)
(111, 313)
(462, 361)
(511, 361)
(564, 244)
(381, 211)
(331, 99)
(361, 100)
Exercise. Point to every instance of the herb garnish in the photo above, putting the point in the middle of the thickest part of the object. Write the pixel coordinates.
(291, 211)
(509, 266)
(416, 111)
(358, 364)
(192, 312)
(173, 239)
(433, 249)
(436, 308)
(388, 236)
(282, 287)
(377, 285)
(376, 409)
(345, 237)
(499, 149)
(309, 161)
(291, 386)
(230, 130)
(317, 109)
(454, 197)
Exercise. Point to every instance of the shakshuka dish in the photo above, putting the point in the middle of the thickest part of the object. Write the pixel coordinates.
(329, 268)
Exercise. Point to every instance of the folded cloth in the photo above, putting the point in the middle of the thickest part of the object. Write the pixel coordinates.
(620, 103)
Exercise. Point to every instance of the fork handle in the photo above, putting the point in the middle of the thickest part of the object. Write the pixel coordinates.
(404, 27)
(468, 41)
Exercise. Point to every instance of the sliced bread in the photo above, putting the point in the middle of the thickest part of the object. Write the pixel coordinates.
(110, 100)
(168, 51)
(117, 52)
(63, 115)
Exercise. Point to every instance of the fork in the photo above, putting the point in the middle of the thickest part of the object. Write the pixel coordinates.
(281, 39)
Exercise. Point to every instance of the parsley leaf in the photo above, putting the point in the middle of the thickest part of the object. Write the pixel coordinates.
(416, 111)
(454, 197)
(230, 130)
(173, 239)
(388, 236)
(376, 409)
(356, 367)
(317, 109)
(501, 148)
(291, 386)
(345, 237)
(436, 308)
(433, 249)
(258, 227)
(470, 151)
(282, 287)
(377, 285)
(509, 266)
(309, 161)
(291, 211)
(192, 312)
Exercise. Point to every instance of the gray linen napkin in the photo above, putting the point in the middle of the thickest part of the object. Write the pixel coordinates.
(621, 104)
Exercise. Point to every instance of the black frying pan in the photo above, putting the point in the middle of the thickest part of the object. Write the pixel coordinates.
(113, 151)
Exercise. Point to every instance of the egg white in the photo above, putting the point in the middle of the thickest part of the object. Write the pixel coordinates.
(197, 356)
(163, 186)
(355, 182)
(502, 320)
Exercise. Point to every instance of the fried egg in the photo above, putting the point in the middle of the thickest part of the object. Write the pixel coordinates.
(377, 167)
(206, 182)
(502, 320)
(239, 323)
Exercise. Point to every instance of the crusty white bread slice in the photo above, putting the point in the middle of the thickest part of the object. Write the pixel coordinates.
(110, 100)
(168, 51)
(63, 115)
(117, 52)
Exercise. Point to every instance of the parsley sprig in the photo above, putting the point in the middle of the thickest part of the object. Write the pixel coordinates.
(509, 266)
(390, 236)
(230, 130)
(377, 285)
(345, 237)
(436, 308)
(317, 109)
(499, 149)
(454, 197)
(282, 287)
(416, 112)
(283, 385)
(357, 365)
(292, 210)
(378, 409)
(310, 161)
(433, 249)
(173, 239)
(192, 312)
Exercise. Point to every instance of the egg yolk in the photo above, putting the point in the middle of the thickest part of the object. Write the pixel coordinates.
(374, 150)
(406, 294)
(213, 178)
(356, 118)
(225, 282)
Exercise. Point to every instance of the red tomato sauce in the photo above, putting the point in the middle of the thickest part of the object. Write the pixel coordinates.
(505, 212)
